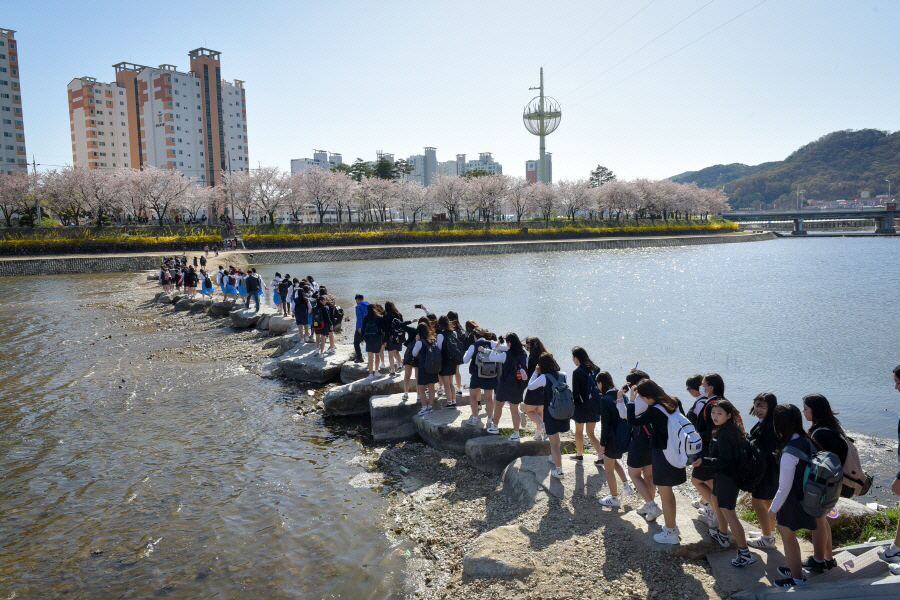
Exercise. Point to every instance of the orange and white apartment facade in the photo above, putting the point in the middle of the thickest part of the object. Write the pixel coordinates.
(12, 128)
(194, 122)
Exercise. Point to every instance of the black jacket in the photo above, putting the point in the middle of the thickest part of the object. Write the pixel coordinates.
(724, 452)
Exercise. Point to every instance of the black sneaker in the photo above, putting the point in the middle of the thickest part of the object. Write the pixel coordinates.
(744, 558)
(814, 566)
(450, 405)
(786, 571)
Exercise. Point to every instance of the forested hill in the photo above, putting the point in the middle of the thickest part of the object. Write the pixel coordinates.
(837, 166)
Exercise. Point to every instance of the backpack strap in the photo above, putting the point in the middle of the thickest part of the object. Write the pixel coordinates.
(553, 380)
(795, 451)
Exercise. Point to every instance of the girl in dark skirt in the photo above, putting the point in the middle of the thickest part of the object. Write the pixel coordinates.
(609, 421)
(546, 372)
(640, 453)
(371, 328)
(534, 399)
(665, 476)
(302, 308)
(480, 385)
(461, 334)
(764, 434)
(712, 386)
(448, 366)
(587, 408)
(409, 361)
(392, 338)
(426, 341)
(786, 508)
(723, 457)
(513, 379)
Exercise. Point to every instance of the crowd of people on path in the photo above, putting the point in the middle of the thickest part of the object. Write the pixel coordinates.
(795, 462)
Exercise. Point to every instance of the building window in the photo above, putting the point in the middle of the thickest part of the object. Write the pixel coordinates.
(2, 69)
(6, 108)
(3, 82)
(7, 134)
(7, 121)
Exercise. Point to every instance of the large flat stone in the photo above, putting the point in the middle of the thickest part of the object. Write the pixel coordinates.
(354, 371)
(300, 364)
(498, 554)
(201, 304)
(446, 429)
(758, 576)
(244, 318)
(392, 416)
(353, 398)
(184, 304)
(527, 480)
(282, 324)
(220, 309)
(493, 453)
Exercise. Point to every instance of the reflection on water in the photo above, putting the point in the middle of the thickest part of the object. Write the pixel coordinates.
(788, 316)
(128, 475)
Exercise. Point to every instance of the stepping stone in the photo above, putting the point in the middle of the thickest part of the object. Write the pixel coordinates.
(244, 318)
(392, 416)
(353, 398)
(278, 324)
(354, 371)
(446, 429)
(220, 309)
(498, 554)
(493, 453)
(184, 304)
(300, 364)
(527, 480)
(201, 305)
(752, 578)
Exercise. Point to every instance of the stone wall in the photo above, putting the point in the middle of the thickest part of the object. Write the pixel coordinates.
(79, 264)
(437, 250)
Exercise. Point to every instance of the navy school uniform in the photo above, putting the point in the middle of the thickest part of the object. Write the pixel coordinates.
(476, 382)
(723, 457)
(585, 411)
(509, 387)
(791, 513)
(609, 418)
(657, 421)
(423, 377)
(767, 440)
(448, 367)
(704, 427)
(550, 424)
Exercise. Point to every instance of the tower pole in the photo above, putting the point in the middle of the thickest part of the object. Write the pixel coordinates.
(543, 165)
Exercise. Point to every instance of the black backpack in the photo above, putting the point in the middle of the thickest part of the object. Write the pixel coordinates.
(371, 329)
(751, 465)
(283, 286)
(453, 347)
(319, 315)
(432, 357)
(338, 314)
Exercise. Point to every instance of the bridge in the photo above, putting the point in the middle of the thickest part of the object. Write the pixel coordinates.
(883, 216)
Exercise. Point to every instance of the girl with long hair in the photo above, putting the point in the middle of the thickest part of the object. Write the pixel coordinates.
(480, 385)
(712, 386)
(587, 405)
(640, 450)
(392, 337)
(545, 376)
(426, 341)
(763, 433)
(722, 458)
(609, 421)
(372, 329)
(448, 366)
(512, 381)
(460, 334)
(534, 399)
(665, 476)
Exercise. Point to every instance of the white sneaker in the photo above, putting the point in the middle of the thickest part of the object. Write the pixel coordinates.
(653, 511)
(490, 423)
(558, 473)
(667, 536)
(766, 542)
(550, 460)
(492, 429)
(610, 501)
(706, 510)
(514, 437)
(473, 420)
(709, 520)
(430, 409)
(538, 436)
(719, 537)
(642, 510)
(700, 503)
(316, 353)
(424, 411)
(627, 489)
(894, 569)
(405, 396)
(889, 554)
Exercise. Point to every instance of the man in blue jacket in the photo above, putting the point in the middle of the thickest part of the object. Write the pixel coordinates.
(362, 309)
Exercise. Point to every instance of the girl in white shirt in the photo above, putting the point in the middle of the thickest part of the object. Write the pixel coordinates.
(425, 381)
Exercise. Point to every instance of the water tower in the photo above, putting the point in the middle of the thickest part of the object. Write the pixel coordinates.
(541, 118)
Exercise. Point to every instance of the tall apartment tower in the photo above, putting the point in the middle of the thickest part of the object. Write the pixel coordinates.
(12, 142)
(532, 168)
(193, 121)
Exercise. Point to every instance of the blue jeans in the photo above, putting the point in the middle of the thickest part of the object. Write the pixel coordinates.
(255, 298)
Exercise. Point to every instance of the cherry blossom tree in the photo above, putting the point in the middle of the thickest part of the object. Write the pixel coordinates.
(487, 194)
(270, 189)
(161, 189)
(13, 191)
(195, 199)
(574, 196)
(519, 197)
(546, 199)
(341, 186)
(383, 195)
(238, 192)
(314, 187)
(414, 199)
(450, 193)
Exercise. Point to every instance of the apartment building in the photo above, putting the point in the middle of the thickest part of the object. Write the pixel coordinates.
(192, 121)
(12, 140)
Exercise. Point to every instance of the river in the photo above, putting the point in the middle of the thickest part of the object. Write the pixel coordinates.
(142, 455)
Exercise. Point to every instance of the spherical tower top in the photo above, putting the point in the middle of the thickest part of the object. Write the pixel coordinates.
(542, 115)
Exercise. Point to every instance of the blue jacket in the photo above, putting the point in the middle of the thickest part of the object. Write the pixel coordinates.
(362, 309)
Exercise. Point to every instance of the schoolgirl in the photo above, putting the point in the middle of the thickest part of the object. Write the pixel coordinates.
(609, 450)
(460, 334)
(534, 399)
(330, 307)
(587, 409)
(164, 280)
(891, 554)
(712, 386)
(283, 287)
(512, 381)
(206, 287)
(827, 433)
(276, 299)
(665, 476)
(371, 326)
(723, 456)
(425, 337)
(242, 285)
(312, 284)
(479, 385)
(763, 433)
(448, 365)
(228, 285)
(410, 363)
(302, 310)
(545, 375)
(640, 451)
(786, 508)
(322, 324)
(391, 337)
(190, 282)
(220, 279)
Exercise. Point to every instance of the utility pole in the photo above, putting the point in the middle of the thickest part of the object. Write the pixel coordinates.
(799, 191)
(34, 166)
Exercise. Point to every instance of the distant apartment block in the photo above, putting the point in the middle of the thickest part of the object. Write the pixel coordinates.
(192, 121)
(532, 167)
(12, 142)
(320, 159)
(485, 162)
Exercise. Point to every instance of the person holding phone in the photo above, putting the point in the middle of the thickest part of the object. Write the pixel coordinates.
(640, 453)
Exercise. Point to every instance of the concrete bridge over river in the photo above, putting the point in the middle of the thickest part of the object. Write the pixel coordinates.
(884, 217)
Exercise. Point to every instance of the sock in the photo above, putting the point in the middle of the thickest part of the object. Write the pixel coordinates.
(797, 581)
(894, 548)
(744, 551)
(821, 562)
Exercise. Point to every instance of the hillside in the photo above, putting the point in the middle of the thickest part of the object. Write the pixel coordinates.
(837, 166)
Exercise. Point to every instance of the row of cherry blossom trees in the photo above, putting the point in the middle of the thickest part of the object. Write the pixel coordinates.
(75, 195)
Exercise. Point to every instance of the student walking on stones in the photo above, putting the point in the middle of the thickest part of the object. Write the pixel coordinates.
(283, 288)
(393, 336)
(461, 336)
(547, 375)
(665, 476)
(763, 434)
(206, 286)
(640, 452)
(254, 286)
(362, 309)
(534, 399)
(891, 554)
(587, 403)
(827, 433)
(512, 382)
(451, 355)
(712, 386)
(613, 432)
(786, 508)
(371, 330)
(276, 299)
(322, 325)
(723, 457)
(228, 286)
(483, 380)
(427, 350)
(409, 361)
(302, 310)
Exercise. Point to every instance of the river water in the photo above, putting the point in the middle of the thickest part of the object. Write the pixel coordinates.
(142, 456)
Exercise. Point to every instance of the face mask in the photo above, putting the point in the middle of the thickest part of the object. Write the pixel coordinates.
(702, 390)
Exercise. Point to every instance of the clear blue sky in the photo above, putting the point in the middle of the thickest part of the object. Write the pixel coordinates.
(361, 76)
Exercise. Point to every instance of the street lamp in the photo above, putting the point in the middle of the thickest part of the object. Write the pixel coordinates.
(889, 189)
(799, 191)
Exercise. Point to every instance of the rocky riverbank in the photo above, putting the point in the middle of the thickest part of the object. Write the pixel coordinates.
(465, 534)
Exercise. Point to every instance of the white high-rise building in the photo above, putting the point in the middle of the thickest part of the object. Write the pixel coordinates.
(12, 141)
(321, 159)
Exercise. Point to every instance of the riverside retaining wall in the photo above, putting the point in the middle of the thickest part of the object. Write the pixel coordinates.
(114, 264)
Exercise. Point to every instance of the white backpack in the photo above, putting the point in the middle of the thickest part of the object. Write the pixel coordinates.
(684, 441)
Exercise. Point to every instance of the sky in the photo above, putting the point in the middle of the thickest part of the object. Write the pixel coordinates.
(648, 88)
